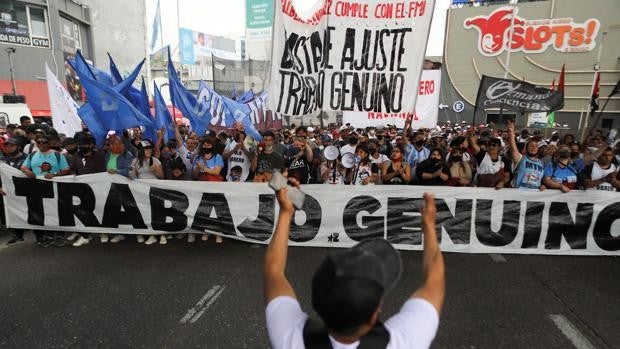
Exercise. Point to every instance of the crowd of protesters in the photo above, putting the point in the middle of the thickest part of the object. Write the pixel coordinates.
(448, 155)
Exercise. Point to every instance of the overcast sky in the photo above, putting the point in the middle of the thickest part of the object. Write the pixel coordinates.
(227, 18)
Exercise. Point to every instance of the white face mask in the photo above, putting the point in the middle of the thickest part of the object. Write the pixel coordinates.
(321, 147)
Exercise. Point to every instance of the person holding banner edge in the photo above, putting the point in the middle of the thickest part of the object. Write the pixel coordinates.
(348, 290)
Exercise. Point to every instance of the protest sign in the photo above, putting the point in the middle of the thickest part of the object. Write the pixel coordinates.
(472, 220)
(426, 108)
(362, 56)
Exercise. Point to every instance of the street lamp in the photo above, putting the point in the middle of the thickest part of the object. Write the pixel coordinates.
(10, 51)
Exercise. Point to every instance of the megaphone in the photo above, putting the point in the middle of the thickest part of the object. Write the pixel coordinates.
(348, 160)
(331, 153)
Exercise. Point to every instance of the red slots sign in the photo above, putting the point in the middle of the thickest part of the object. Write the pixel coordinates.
(531, 36)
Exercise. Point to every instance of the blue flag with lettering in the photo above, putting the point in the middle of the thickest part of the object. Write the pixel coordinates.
(246, 97)
(241, 113)
(197, 113)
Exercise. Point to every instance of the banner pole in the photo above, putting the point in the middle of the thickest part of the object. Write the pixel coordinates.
(512, 30)
(596, 74)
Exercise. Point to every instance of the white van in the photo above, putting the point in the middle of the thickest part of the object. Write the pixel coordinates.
(11, 112)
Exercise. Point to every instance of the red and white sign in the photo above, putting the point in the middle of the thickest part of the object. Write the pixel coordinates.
(426, 107)
(531, 36)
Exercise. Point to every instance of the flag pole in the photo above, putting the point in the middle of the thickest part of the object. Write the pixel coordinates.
(596, 73)
(511, 31)
(147, 48)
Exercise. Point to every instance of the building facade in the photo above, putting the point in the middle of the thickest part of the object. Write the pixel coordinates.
(36, 32)
(583, 36)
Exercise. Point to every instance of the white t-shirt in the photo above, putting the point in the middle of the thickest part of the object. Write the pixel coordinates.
(347, 148)
(380, 160)
(187, 157)
(237, 158)
(413, 327)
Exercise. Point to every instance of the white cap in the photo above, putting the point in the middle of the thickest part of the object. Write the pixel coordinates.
(310, 129)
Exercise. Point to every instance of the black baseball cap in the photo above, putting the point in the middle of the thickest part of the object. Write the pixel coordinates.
(349, 284)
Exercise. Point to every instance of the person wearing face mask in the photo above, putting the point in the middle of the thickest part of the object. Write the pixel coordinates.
(208, 167)
(352, 141)
(69, 148)
(603, 174)
(87, 160)
(237, 153)
(414, 153)
(460, 171)
(46, 163)
(560, 174)
(529, 169)
(433, 171)
(15, 158)
(493, 168)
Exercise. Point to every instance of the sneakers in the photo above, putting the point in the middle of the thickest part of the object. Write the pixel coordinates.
(44, 242)
(73, 236)
(163, 240)
(117, 238)
(59, 240)
(15, 241)
(218, 239)
(151, 240)
(140, 238)
(204, 237)
(191, 237)
(104, 238)
(81, 241)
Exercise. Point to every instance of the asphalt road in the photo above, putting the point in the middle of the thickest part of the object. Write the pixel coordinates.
(210, 296)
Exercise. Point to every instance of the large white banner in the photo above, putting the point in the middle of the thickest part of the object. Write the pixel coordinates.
(363, 56)
(426, 108)
(478, 220)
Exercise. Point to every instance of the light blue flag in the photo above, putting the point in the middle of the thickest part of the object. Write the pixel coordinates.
(96, 128)
(144, 106)
(126, 85)
(241, 113)
(112, 109)
(116, 75)
(80, 64)
(162, 115)
(197, 113)
(246, 97)
(215, 104)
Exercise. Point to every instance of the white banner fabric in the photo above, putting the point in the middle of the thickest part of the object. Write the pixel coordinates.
(426, 108)
(348, 56)
(472, 220)
(64, 109)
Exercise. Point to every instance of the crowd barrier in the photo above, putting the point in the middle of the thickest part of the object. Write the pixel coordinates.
(470, 220)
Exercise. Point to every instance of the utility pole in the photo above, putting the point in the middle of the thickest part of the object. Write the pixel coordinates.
(10, 51)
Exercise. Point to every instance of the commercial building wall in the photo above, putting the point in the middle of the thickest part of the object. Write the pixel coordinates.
(470, 28)
(95, 27)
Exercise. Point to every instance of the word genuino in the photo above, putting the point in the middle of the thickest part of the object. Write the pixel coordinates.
(369, 76)
(364, 216)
